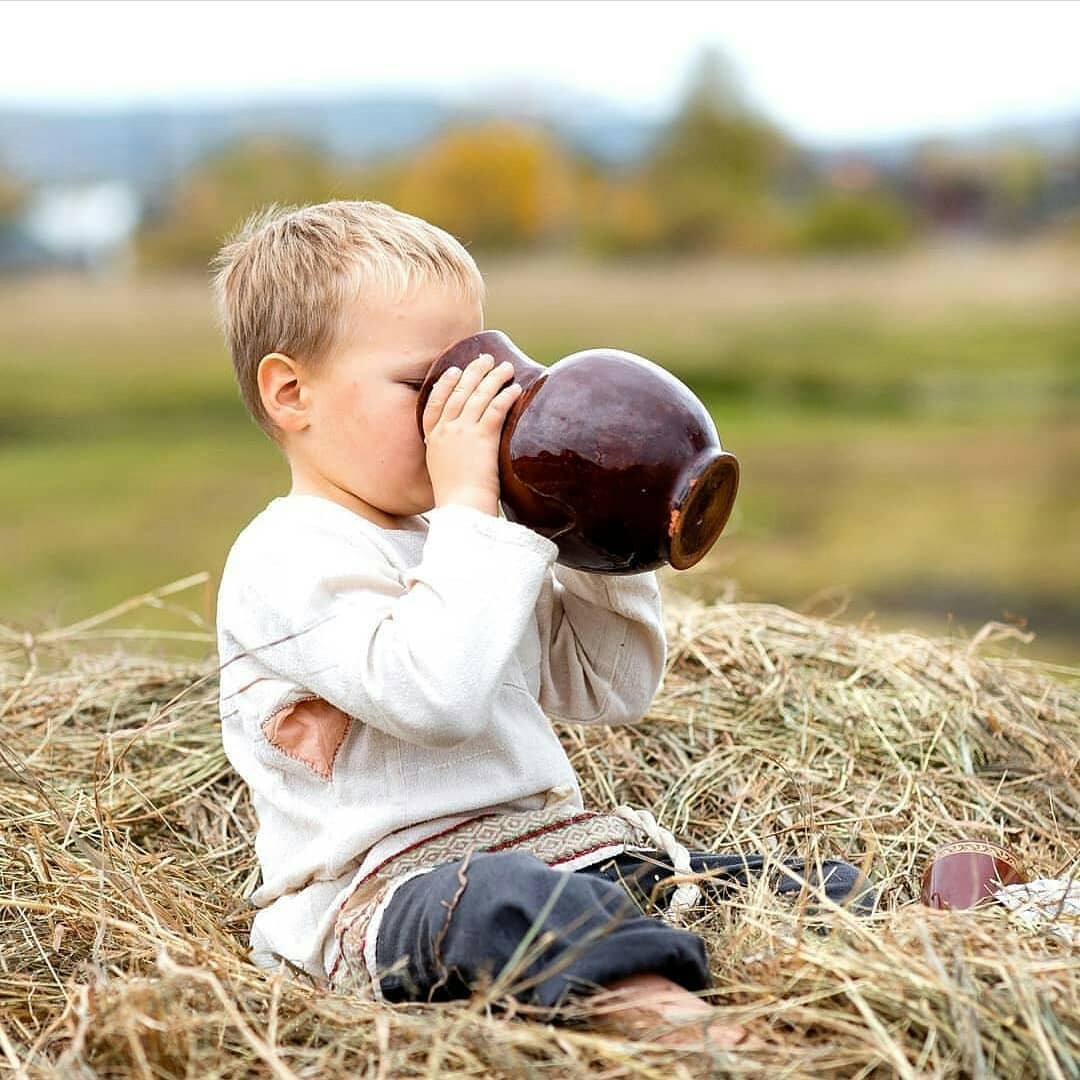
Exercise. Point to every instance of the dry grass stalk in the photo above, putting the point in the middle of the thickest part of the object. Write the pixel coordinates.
(126, 850)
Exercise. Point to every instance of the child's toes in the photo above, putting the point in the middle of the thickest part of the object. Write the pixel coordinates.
(693, 1032)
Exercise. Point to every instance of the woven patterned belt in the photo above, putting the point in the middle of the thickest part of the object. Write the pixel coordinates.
(562, 837)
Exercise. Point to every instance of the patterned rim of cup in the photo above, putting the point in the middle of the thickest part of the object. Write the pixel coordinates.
(980, 847)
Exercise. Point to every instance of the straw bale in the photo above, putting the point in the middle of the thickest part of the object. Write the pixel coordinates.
(126, 855)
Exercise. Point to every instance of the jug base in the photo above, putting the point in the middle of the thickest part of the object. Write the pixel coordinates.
(699, 516)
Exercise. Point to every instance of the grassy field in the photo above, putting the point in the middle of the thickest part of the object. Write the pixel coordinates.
(908, 429)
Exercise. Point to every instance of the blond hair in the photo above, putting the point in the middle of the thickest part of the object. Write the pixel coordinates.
(285, 280)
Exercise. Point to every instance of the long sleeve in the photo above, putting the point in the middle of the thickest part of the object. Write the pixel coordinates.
(602, 646)
(419, 655)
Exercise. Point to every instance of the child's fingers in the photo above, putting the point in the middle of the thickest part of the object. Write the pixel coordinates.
(481, 398)
(501, 404)
(440, 392)
(471, 378)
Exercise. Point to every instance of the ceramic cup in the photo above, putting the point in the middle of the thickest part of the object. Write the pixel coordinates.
(966, 873)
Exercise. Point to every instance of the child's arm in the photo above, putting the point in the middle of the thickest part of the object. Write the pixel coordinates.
(603, 647)
(419, 655)
(601, 637)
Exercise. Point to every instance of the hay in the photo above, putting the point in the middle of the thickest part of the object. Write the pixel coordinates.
(126, 849)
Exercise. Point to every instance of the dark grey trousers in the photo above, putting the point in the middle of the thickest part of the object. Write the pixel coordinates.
(551, 933)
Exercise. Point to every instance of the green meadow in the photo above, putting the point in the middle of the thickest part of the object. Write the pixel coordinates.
(908, 427)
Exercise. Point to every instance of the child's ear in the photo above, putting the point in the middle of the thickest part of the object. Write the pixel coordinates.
(281, 388)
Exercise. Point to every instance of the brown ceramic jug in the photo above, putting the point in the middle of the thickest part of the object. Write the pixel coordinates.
(608, 455)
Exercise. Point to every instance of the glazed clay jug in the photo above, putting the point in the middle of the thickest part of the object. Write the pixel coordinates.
(608, 455)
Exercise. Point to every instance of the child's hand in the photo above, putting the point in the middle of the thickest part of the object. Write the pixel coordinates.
(462, 421)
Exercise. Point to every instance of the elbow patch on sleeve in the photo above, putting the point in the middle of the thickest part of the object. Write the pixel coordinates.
(310, 731)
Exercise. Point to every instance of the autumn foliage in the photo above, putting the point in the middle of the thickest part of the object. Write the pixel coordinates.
(718, 177)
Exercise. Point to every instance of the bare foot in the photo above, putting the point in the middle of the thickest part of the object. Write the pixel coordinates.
(643, 1003)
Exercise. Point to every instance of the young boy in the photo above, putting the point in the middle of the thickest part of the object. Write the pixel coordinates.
(393, 651)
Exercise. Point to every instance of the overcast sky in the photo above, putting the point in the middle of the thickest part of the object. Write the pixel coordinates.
(826, 71)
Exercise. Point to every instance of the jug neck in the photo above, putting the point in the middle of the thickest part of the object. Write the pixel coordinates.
(461, 354)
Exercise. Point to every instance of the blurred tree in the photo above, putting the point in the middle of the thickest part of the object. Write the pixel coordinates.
(498, 184)
(712, 172)
(620, 216)
(1020, 181)
(853, 220)
(229, 185)
(12, 195)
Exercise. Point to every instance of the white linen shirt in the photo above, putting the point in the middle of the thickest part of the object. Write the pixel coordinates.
(380, 685)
